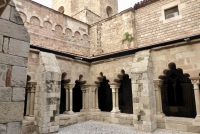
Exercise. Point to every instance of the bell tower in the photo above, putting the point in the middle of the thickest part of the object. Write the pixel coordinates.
(103, 8)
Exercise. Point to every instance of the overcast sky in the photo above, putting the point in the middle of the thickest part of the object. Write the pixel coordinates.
(123, 4)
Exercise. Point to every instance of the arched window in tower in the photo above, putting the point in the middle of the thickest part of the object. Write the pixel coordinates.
(177, 93)
(61, 9)
(109, 11)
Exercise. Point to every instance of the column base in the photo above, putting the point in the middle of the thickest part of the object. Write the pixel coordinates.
(97, 110)
(83, 110)
(196, 121)
(115, 110)
(29, 118)
(160, 116)
(68, 112)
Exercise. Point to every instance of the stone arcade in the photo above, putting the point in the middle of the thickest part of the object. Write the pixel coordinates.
(85, 61)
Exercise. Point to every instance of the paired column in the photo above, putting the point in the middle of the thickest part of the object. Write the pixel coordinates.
(96, 98)
(195, 82)
(115, 98)
(69, 98)
(158, 84)
(31, 87)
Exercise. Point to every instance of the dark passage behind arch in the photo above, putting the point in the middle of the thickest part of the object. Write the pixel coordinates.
(105, 96)
(77, 98)
(177, 93)
(125, 95)
(62, 98)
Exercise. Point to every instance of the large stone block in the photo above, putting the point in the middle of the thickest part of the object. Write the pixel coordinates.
(3, 128)
(18, 94)
(15, 17)
(14, 30)
(5, 45)
(5, 94)
(19, 75)
(14, 128)
(6, 14)
(13, 60)
(11, 111)
(19, 48)
(3, 75)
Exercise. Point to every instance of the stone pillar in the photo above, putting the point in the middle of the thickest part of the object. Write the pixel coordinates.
(69, 98)
(66, 86)
(158, 84)
(96, 98)
(28, 99)
(83, 98)
(32, 98)
(195, 82)
(115, 99)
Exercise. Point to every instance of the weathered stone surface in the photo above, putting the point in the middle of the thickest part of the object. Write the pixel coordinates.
(5, 45)
(6, 13)
(15, 17)
(19, 48)
(5, 94)
(3, 129)
(11, 111)
(13, 60)
(13, 30)
(1, 42)
(14, 128)
(19, 75)
(3, 73)
(18, 94)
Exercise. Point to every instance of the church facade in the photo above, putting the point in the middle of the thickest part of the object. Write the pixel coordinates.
(86, 61)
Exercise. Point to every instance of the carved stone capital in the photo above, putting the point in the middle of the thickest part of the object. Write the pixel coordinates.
(195, 81)
(69, 87)
(115, 87)
(158, 84)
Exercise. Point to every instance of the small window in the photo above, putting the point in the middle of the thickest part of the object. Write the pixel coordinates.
(61, 9)
(109, 11)
(172, 12)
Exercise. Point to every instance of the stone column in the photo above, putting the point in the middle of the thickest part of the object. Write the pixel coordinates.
(115, 99)
(87, 98)
(32, 98)
(83, 98)
(28, 99)
(195, 82)
(69, 101)
(67, 98)
(96, 98)
(158, 84)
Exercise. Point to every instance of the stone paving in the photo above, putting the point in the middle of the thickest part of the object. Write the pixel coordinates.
(94, 127)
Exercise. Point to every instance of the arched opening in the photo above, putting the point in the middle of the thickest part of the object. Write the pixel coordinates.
(26, 94)
(63, 96)
(177, 93)
(61, 9)
(77, 97)
(125, 96)
(105, 96)
(109, 11)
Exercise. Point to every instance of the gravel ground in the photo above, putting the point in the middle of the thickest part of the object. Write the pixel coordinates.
(94, 127)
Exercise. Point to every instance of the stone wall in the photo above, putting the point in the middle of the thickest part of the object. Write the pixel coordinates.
(107, 35)
(111, 68)
(53, 30)
(87, 16)
(184, 55)
(14, 48)
(75, 6)
(153, 28)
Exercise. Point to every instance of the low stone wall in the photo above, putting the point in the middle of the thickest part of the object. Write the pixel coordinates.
(177, 123)
(120, 118)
